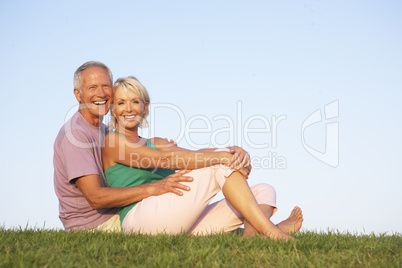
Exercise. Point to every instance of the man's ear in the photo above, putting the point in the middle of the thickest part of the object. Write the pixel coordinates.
(77, 95)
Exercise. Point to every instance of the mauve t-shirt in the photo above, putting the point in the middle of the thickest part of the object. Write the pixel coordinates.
(77, 153)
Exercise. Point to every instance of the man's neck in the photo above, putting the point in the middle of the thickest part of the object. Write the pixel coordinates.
(93, 120)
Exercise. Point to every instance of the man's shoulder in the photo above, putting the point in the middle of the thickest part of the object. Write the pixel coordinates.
(72, 124)
(76, 131)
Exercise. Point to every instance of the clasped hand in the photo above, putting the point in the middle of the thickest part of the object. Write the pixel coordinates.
(240, 161)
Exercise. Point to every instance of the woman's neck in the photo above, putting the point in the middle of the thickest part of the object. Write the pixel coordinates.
(132, 134)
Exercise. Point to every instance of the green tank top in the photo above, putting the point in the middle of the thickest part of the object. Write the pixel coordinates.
(125, 176)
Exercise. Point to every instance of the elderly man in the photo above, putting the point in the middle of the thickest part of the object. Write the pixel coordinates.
(84, 200)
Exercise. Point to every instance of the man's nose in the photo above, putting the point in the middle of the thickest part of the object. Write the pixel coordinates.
(101, 92)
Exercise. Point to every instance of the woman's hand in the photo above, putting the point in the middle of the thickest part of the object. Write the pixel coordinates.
(245, 171)
(240, 159)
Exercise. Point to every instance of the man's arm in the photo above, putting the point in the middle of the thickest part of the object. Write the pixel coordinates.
(102, 197)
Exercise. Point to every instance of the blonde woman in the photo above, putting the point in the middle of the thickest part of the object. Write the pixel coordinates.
(132, 161)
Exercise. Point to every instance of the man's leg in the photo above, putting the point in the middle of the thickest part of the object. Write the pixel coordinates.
(111, 225)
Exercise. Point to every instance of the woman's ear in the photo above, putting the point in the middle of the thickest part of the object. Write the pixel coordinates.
(112, 111)
(145, 107)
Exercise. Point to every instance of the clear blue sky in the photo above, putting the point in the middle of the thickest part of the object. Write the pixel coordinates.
(221, 67)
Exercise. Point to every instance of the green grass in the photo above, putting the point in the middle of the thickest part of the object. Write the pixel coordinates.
(55, 248)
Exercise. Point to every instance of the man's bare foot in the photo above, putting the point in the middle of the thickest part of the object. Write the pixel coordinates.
(292, 224)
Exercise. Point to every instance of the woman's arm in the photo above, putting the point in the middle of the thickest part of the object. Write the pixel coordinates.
(240, 158)
(119, 149)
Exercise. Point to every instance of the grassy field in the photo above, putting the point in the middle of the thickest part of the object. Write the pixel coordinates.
(51, 248)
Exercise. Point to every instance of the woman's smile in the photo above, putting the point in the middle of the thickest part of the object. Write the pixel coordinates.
(128, 108)
(130, 117)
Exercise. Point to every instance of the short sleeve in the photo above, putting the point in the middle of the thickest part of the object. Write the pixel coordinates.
(79, 155)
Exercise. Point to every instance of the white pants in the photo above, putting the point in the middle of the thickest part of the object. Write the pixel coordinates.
(191, 212)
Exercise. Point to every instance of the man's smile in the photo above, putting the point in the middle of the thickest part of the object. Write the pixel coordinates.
(99, 102)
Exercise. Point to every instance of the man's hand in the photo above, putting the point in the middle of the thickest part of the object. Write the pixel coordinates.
(172, 184)
(171, 141)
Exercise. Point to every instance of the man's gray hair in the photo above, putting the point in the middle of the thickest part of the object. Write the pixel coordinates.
(86, 65)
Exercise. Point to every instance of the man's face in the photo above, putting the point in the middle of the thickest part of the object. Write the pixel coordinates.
(96, 93)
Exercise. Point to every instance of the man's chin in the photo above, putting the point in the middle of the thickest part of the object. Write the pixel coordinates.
(100, 111)
(96, 110)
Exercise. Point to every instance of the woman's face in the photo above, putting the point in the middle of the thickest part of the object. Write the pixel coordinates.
(128, 108)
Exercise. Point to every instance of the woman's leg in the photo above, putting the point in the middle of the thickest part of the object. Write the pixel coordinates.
(290, 226)
(170, 213)
(238, 194)
(222, 217)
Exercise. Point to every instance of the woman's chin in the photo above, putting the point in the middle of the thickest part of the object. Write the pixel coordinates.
(129, 125)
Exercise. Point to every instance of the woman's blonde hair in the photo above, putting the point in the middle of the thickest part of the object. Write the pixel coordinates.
(133, 84)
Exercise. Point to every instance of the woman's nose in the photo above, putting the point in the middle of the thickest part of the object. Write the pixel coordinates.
(129, 108)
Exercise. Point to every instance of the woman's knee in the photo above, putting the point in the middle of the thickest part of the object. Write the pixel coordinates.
(222, 172)
(264, 193)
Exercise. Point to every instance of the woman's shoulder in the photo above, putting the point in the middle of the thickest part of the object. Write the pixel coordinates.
(112, 135)
(114, 138)
(158, 141)
(164, 144)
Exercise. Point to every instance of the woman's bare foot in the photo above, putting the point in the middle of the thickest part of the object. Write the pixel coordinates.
(270, 231)
(293, 223)
(278, 235)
